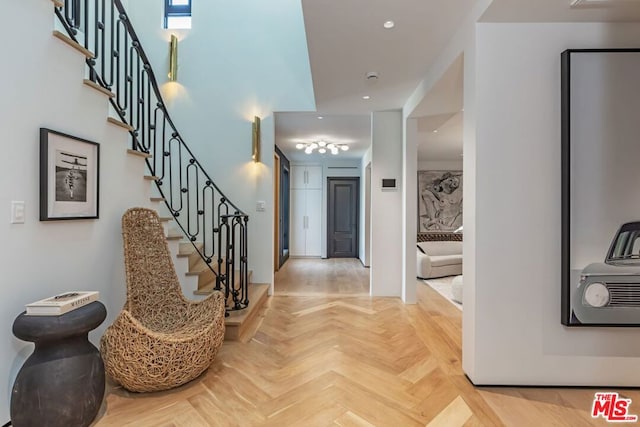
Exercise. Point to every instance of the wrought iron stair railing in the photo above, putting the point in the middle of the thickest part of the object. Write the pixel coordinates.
(200, 209)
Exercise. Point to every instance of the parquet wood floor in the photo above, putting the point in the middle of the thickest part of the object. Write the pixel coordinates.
(348, 361)
(322, 277)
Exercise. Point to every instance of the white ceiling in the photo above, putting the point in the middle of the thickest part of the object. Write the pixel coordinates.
(440, 137)
(346, 40)
(353, 130)
(561, 11)
(439, 117)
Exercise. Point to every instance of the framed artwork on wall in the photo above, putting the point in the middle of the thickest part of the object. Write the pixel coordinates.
(600, 194)
(439, 200)
(69, 177)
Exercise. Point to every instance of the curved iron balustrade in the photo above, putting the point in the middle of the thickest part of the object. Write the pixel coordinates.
(215, 226)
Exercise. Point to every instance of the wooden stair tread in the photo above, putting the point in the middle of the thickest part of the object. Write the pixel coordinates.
(151, 177)
(207, 281)
(174, 236)
(200, 266)
(241, 325)
(257, 294)
(157, 199)
(118, 123)
(186, 249)
(139, 153)
(197, 273)
(206, 290)
(165, 218)
(69, 41)
(99, 88)
(58, 3)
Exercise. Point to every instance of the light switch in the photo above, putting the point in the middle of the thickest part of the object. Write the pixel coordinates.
(261, 206)
(17, 212)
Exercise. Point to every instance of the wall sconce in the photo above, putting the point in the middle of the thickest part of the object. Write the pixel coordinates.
(173, 58)
(255, 145)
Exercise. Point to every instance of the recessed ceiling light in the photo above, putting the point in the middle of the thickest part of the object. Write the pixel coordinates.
(320, 117)
(435, 131)
(389, 25)
(366, 97)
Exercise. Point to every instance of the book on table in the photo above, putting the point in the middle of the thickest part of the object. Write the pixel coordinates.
(62, 303)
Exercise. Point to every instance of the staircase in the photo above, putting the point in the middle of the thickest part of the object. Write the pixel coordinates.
(206, 232)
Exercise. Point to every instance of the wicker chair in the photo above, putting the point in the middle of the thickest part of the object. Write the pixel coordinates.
(160, 340)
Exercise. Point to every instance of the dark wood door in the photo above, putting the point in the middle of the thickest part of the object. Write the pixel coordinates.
(284, 213)
(342, 217)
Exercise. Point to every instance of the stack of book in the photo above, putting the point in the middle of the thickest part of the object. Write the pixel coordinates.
(61, 304)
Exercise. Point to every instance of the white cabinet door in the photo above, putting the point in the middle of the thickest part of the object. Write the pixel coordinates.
(314, 223)
(297, 240)
(306, 176)
(298, 177)
(306, 211)
(314, 177)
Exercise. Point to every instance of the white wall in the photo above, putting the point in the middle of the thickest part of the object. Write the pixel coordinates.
(469, 173)
(365, 212)
(439, 165)
(518, 335)
(386, 206)
(240, 59)
(43, 88)
(461, 43)
(409, 209)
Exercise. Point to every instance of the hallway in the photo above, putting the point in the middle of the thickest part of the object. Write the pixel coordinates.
(333, 277)
(349, 362)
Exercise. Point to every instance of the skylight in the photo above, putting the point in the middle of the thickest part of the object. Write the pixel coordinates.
(177, 14)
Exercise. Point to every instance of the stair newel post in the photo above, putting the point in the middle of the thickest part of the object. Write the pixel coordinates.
(244, 269)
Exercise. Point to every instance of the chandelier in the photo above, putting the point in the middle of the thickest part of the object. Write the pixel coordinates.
(322, 147)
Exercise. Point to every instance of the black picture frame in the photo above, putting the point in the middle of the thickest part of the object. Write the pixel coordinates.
(69, 177)
(581, 252)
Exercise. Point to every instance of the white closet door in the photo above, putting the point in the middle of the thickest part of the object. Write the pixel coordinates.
(314, 222)
(314, 177)
(298, 174)
(297, 239)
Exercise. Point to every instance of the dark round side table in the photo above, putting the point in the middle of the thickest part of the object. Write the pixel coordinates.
(62, 382)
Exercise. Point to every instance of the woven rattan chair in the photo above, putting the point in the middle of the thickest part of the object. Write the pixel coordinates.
(160, 340)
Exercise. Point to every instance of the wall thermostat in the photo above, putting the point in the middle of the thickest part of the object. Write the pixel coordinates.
(389, 184)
